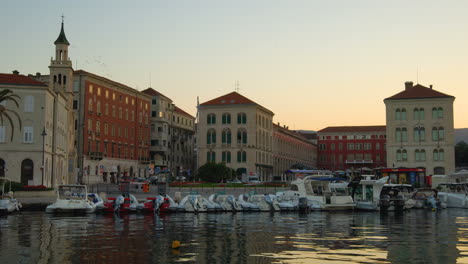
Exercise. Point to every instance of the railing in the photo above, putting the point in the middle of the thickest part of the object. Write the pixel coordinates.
(359, 161)
(95, 155)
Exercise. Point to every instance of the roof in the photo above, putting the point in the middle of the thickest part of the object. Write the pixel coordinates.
(357, 129)
(289, 132)
(182, 112)
(152, 92)
(418, 92)
(18, 79)
(62, 39)
(233, 98)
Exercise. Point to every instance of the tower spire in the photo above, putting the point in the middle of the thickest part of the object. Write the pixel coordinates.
(62, 39)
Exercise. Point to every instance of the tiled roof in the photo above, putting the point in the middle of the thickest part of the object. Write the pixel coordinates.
(182, 112)
(17, 79)
(153, 92)
(233, 98)
(357, 129)
(418, 92)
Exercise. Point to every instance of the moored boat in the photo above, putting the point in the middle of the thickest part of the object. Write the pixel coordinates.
(8, 203)
(72, 198)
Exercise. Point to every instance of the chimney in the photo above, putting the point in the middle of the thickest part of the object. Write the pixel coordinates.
(430, 86)
(38, 74)
(15, 72)
(408, 85)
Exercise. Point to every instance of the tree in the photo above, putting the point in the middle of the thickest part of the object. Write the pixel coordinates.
(215, 172)
(461, 154)
(7, 95)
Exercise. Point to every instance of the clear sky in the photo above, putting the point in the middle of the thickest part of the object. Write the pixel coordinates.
(313, 63)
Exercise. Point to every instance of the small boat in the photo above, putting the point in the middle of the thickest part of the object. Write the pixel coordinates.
(125, 203)
(406, 192)
(455, 195)
(287, 202)
(246, 205)
(366, 192)
(194, 203)
(265, 202)
(72, 198)
(8, 203)
(97, 200)
(227, 202)
(428, 198)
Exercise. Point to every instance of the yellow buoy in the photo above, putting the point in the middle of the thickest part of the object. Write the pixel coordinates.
(176, 244)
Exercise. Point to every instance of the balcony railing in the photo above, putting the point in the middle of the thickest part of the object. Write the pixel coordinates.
(359, 161)
(95, 155)
(143, 160)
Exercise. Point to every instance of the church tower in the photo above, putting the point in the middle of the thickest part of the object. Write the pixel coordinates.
(61, 71)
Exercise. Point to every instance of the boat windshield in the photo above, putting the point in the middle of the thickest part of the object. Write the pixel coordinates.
(72, 192)
(454, 188)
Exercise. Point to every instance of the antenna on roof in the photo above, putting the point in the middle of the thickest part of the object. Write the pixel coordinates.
(237, 88)
(150, 79)
(417, 75)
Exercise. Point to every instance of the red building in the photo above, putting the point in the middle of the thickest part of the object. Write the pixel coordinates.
(112, 128)
(351, 147)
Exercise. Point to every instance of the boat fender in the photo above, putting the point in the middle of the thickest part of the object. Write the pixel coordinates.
(175, 244)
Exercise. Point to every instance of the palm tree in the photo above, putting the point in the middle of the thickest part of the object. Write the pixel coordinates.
(8, 95)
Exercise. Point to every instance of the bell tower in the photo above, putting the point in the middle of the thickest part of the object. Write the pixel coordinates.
(61, 71)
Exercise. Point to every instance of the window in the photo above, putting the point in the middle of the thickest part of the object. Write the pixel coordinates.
(28, 134)
(438, 155)
(120, 112)
(340, 146)
(241, 118)
(29, 103)
(90, 124)
(98, 107)
(438, 134)
(107, 94)
(401, 135)
(403, 114)
(226, 156)
(226, 136)
(437, 112)
(99, 91)
(418, 114)
(211, 119)
(75, 104)
(332, 146)
(402, 155)
(98, 127)
(358, 146)
(113, 111)
(226, 119)
(106, 129)
(211, 137)
(350, 146)
(398, 114)
(241, 156)
(2, 133)
(419, 134)
(377, 146)
(241, 136)
(90, 89)
(153, 101)
(210, 156)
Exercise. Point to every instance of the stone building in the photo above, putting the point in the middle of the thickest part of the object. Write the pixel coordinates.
(420, 131)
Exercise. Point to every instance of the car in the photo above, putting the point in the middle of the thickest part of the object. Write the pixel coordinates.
(181, 178)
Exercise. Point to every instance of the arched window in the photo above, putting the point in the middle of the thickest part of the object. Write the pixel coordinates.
(404, 155)
(435, 155)
(422, 154)
(211, 119)
(241, 136)
(55, 78)
(226, 156)
(441, 133)
(211, 156)
(226, 119)
(60, 78)
(441, 155)
(241, 118)
(90, 104)
(64, 79)
(440, 112)
(421, 114)
(226, 136)
(417, 156)
(211, 137)
(241, 156)
(416, 114)
(419, 134)
(403, 114)
(106, 109)
(398, 134)
(398, 114)
(404, 135)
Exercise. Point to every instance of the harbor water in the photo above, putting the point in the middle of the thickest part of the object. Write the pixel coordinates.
(416, 236)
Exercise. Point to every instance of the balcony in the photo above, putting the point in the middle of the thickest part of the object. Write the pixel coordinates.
(359, 161)
(143, 160)
(95, 155)
(160, 163)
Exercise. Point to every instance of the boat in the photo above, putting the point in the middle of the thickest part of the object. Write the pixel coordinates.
(454, 195)
(320, 195)
(366, 192)
(265, 202)
(428, 198)
(287, 202)
(243, 201)
(406, 191)
(195, 203)
(227, 202)
(72, 198)
(97, 200)
(125, 203)
(8, 203)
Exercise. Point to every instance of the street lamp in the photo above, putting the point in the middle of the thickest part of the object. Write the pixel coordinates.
(43, 151)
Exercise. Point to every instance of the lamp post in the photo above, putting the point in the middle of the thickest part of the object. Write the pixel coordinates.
(43, 152)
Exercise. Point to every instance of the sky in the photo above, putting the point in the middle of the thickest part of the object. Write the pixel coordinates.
(313, 63)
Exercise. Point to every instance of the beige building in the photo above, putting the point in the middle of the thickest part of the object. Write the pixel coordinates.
(172, 136)
(42, 153)
(420, 129)
(291, 148)
(235, 130)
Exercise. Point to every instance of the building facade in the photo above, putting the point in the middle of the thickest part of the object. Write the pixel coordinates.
(172, 136)
(420, 130)
(291, 149)
(112, 127)
(239, 132)
(351, 147)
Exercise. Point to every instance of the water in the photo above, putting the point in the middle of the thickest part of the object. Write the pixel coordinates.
(417, 236)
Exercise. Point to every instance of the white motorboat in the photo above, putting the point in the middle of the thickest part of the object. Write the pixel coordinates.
(243, 201)
(320, 195)
(8, 203)
(366, 193)
(287, 202)
(72, 199)
(398, 192)
(194, 203)
(428, 198)
(265, 202)
(227, 202)
(97, 200)
(454, 195)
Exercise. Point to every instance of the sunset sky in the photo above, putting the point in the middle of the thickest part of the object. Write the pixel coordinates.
(313, 63)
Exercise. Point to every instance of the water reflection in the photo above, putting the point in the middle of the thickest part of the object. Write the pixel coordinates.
(416, 236)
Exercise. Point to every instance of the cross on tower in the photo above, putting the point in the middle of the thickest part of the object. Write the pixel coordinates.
(63, 17)
(237, 86)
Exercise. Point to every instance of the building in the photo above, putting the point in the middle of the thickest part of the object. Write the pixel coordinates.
(239, 132)
(112, 129)
(172, 136)
(420, 129)
(291, 149)
(351, 147)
